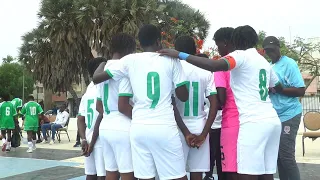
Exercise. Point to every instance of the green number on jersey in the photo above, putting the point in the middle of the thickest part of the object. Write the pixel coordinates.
(153, 88)
(105, 98)
(263, 85)
(195, 100)
(89, 112)
(33, 111)
(8, 111)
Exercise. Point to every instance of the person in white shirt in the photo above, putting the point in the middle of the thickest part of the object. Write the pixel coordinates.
(87, 117)
(155, 141)
(61, 119)
(251, 77)
(114, 129)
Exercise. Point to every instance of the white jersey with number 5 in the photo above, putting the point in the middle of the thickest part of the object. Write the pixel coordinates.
(87, 109)
(152, 78)
(251, 77)
(200, 85)
(109, 92)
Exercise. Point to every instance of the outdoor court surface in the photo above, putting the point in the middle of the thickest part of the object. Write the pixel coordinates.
(61, 161)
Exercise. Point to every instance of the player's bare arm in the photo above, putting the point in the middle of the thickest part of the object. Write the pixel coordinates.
(124, 106)
(100, 75)
(221, 97)
(212, 115)
(82, 129)
(182, 93)
(184, 129)
(294, 92)
(201, 62)
(95, 135)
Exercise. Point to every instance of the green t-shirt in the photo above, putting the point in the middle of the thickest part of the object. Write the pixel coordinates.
(31, 110)
(7, 111)
(17, 102)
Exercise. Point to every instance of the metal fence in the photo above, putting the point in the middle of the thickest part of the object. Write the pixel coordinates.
(310, 103)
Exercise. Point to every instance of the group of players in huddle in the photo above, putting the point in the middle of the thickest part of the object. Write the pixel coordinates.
(144, 113)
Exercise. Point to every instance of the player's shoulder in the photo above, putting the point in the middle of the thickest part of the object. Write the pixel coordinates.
(289, 61)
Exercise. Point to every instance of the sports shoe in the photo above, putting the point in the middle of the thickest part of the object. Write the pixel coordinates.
(77, 144)
(38, 141)
(4, 147)
(45, 141)
(52, 142)
(34, 148)
(8, 149)
(29, 150)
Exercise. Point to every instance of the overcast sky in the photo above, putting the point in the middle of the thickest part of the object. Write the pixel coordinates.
(276, 17)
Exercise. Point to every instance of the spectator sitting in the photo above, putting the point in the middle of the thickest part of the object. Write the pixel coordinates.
(45, 120)
(61, 120)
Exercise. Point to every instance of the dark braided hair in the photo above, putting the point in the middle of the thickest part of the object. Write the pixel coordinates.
(244, 37)
(123, 43)
(185, 44)
(94, 64)
(223, 34)
(148, 35)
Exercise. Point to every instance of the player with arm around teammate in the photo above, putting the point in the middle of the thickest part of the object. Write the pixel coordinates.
(250, 77)
(154, 135)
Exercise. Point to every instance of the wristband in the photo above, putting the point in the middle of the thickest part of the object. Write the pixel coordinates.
(183, 55)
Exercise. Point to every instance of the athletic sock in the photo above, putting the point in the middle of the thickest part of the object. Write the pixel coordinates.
(30, 145)
(34, 142)
(9, 145)
(4, 140)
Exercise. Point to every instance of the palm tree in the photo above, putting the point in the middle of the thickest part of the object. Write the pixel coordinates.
(58, 50)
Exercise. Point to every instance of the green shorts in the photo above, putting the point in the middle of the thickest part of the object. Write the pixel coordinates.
(31, 128)
(7, 123)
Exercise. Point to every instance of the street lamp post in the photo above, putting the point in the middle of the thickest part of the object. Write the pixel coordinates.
(23, 86)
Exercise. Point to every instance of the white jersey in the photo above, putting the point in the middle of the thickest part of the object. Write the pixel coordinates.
(87, 109)
(250, 79)
(152, 78)
(200, 85)
(217, 122)
(109, 92)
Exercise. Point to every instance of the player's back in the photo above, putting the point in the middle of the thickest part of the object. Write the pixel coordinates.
(88, 108)
(199, 82)
(7, 111)
(250, 85)
(31, 110)
(109, 94)
(152, 78)
(17, 102)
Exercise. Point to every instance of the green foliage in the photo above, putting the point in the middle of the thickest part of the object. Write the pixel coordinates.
(8, 59)
(11, 80)
(58, 50)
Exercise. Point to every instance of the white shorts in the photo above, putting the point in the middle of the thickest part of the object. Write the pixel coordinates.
(197, 160)
(94, 164)
(157, 149)
(258, 145)
(116, 150)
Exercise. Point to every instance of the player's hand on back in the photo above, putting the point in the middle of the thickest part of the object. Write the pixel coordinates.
(84, 147)
(169, 52)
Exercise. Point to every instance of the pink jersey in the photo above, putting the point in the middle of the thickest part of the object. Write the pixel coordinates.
(230, 113)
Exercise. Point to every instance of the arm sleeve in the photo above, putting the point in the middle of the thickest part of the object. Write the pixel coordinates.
(23, 110)
(274, 81)
(125, 87)
(234, 59)
(179, 78)
(220, 79)
(118, 69)
(295, 78)
(14, 111)
(82, 108)
(211, 88)
(65, 117)
(39, 109)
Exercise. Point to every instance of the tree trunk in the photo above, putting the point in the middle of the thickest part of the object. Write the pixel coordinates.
(47, 99)
(75, 100)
